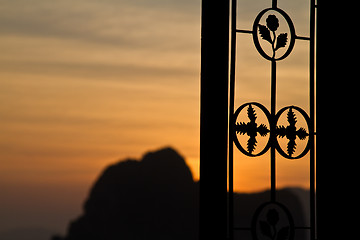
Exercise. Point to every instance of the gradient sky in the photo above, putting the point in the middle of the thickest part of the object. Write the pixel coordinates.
(85, 83)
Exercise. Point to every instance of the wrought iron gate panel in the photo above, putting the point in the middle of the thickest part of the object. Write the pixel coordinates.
(268, 34)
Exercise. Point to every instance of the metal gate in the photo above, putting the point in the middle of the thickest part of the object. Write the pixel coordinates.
(274, 46)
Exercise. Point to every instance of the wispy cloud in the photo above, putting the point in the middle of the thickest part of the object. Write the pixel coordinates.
(100, 38)
(123, 23)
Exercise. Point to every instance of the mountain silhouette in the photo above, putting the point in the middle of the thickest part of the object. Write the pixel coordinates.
(154, 198)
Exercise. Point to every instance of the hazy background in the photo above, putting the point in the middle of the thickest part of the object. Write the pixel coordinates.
(85, 83)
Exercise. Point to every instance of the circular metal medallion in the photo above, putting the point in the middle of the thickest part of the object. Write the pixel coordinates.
(291, 133)
(274, 44)
(251, 129)
(272, 220)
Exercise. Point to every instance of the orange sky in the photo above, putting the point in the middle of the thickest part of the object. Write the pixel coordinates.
(86, 83)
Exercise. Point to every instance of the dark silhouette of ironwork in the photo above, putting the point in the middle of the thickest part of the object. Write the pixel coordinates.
(264, 34)
(272, 220)
(291, 132)
(251, 129)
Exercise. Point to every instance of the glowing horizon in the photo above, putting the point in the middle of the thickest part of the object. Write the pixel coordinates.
(86, 84)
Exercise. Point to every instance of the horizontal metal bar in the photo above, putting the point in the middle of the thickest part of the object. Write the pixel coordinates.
(250, 31)
(302, 38)
(244, 31)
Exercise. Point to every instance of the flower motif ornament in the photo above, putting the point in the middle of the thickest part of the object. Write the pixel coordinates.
(272, 24)
(269, 229)
(270, 33)
(272, 221)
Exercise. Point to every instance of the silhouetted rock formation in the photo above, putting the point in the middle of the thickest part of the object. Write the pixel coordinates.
(156, 198)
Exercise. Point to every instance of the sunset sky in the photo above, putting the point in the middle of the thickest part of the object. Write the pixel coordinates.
(86, 83)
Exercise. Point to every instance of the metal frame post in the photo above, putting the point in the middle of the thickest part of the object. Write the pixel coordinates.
(214, 119)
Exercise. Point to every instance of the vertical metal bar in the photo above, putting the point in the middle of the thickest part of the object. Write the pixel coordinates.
(231, 115)
(312, 119)
(272, 133)
(274, 3)
(214, 119)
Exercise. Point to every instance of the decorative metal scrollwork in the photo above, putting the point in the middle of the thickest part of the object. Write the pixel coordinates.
(283, 130)
(252, 129)
(272, 220)
(276, 41)
(291, 132)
